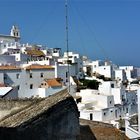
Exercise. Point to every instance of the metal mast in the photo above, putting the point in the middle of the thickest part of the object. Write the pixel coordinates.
(67, 43)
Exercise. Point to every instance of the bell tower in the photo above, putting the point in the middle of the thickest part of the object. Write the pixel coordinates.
(15, 31)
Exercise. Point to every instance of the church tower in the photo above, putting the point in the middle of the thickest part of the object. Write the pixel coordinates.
(15, 32)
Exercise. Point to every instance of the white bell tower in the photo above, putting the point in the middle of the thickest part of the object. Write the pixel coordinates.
(15, 31)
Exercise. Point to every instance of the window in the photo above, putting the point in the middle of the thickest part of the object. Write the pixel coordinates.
(31, 75)
(17, 76)
(66, 74)
(41, 75)
(18, 87)
(126, 110)
(112, 85)
(55, 51)
(110, 102)
(5, 77)
(116, 113)
(91, 116)
(104, 113)
(31, 86)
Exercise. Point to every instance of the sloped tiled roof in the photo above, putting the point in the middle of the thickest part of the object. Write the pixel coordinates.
(32, 111)
(104, 131)
(53, 83)
(9, 67)
(39, 67)
(35, 52)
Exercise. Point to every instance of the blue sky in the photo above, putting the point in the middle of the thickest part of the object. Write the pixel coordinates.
(100, 29)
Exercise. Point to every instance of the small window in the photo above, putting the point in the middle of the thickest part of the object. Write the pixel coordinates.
(66, 74)
(104, 113)
(66, 80)
(31, 86)
(112, 85)
(18, 87)
(41, 75)
(91, 116)
(18, 76)
(31, 75)
(104, 68)
(126, 110)
(110, 102)
(116, 113)
(5, 77)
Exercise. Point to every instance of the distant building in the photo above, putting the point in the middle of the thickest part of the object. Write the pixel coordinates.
(105, 68)
(107, 103)
(13, 37)
(28, 79)
(132, 127)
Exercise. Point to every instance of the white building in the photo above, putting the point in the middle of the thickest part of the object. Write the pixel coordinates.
(120, 75)
(13, 37)
(130, 72)
(96, 106)
(132, 129)
(49, 87)
(105, 68)
(107, 103)
(28, 79)
(74, 59)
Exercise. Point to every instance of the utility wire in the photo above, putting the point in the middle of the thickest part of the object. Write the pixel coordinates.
(92, 32)
(77, 31)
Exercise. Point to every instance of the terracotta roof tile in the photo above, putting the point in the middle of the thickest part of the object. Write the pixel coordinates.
(104, 131)
(39, 67)
(53, 83)
(11, 67)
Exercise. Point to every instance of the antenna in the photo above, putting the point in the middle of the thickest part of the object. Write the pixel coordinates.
(67, 43)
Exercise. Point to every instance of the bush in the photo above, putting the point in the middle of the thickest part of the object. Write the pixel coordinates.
(92, 84)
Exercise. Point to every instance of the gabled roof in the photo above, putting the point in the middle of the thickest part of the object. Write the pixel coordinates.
(31, 67)
(53, 83)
